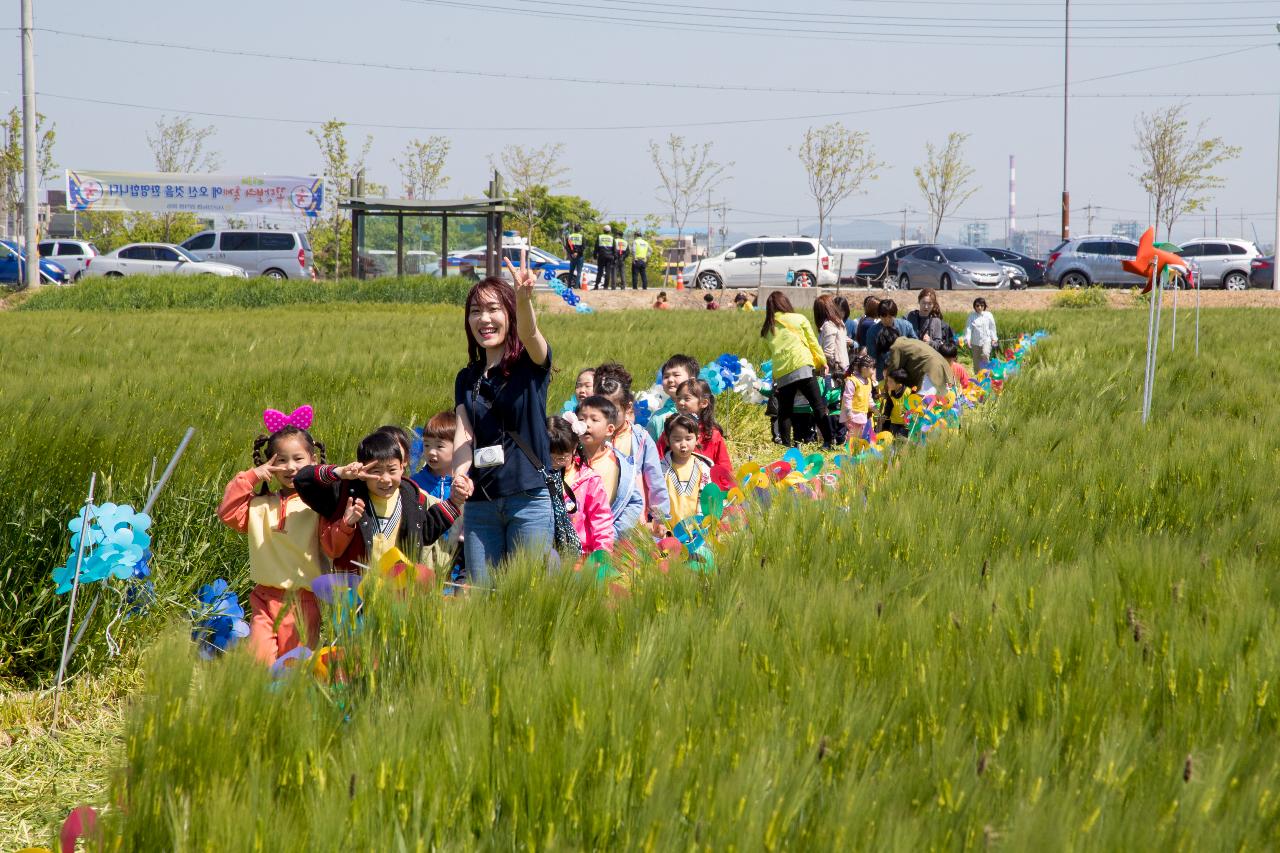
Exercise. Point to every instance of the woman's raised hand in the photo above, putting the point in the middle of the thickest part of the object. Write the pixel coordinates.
(524, 278)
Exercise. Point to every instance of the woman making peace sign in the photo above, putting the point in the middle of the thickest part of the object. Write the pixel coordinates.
(502, 442)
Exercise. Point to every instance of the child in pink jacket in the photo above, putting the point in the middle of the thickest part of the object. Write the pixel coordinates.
(585, 499)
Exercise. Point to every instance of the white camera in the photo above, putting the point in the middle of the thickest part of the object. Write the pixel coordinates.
(489, 457)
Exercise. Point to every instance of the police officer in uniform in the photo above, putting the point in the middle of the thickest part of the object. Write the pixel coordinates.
(575, 251)
(621, 251)
(604, 258)
(640, 249)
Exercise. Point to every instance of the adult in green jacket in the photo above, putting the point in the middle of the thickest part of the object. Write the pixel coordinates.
(920, 361)
(797, 363)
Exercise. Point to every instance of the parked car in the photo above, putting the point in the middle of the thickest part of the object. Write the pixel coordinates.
(539, 260)
(1262, 272)
(1082, 261)
(156, 259)
(1032, 270)
(952, 268)
(845, 263)
(765, 260)
(275, 254)
(1222, 263)
(882, 269)
(13, 266)
(73, 255)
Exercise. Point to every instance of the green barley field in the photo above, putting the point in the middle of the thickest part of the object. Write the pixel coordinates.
(1055, 628)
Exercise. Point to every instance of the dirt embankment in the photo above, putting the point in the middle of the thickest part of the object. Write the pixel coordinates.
(1037, 299)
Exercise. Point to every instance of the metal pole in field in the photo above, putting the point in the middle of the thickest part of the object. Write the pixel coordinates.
(1275, 246)
(1146, 375)
(71, 609)
(30, 154)
(1155, 339)
(1066, 95)
(1173, 343)
(1197, 318)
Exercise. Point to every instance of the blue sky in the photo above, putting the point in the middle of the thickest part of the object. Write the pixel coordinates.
(913, 52)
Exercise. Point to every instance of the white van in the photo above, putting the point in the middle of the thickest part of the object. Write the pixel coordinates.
(275, 254)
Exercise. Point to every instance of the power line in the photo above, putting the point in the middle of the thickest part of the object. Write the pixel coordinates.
(236, 52)
(609, 15)
(1004, 22)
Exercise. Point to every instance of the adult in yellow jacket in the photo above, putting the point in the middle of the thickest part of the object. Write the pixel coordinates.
(797, 363)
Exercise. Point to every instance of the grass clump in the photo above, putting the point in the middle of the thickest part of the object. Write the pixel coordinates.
(1084, 297)
(151, 293)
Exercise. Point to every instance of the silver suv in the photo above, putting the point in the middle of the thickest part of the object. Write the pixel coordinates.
(766, 261)
(1222, 263)
(1082, 261)
(275, 254)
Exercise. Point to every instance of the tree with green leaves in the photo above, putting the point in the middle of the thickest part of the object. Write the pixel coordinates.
(838, 162)
(1178, 163)
(421, 166)
(12, 175)
(688, 176)
(330, 232)
(944, 179)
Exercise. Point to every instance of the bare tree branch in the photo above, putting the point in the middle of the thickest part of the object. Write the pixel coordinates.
(527, 168)
(944, 179)
(422, 166)
(688, 175)
(179, 146)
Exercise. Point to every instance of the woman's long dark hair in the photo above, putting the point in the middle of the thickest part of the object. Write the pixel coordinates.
(825, 310)
(777, 303)
(506, 297)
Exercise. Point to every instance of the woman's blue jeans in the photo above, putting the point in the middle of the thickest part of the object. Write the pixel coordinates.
(496, 529)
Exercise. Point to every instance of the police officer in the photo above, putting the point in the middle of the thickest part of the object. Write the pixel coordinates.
(621, 251)
(575, 251)
(604, 258)
(640, 249)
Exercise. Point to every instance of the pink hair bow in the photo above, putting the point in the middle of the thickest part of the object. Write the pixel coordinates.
(276, 421)
(578, 426)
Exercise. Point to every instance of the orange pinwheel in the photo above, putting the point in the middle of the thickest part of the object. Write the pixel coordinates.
(1149, 256)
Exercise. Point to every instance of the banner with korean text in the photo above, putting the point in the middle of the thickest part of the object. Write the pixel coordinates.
(168, 192)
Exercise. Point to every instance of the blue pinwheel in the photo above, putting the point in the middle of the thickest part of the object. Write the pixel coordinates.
(115, 543)
(219, 622)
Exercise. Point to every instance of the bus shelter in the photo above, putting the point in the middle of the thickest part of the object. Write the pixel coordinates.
(405, 236)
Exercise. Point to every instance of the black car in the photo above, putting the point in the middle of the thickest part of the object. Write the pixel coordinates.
(1033, 268)
(874, 272)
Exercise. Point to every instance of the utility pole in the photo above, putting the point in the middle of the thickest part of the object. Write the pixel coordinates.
(904, 226)
(1066, 94)
(29, 152)
(1088, 209)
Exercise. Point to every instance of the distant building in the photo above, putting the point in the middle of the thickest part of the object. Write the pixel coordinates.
(1130, 230)
(975, 234)
(1037, 244)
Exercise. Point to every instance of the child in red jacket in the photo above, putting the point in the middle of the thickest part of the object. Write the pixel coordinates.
(694, 397)
(369, 507)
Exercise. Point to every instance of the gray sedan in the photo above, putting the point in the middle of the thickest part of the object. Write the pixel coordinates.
(952, 268)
